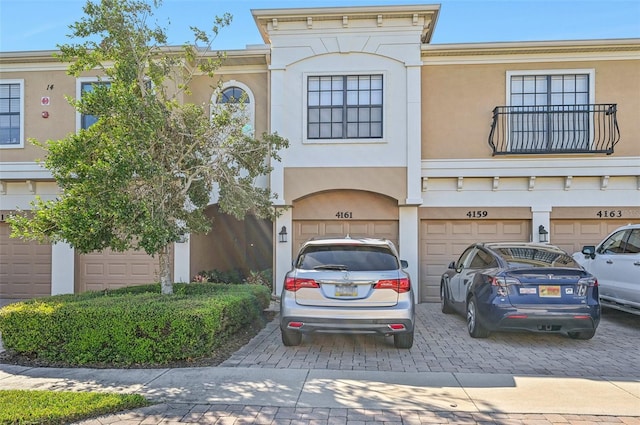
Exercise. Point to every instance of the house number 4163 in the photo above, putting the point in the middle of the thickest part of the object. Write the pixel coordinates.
(344, 214)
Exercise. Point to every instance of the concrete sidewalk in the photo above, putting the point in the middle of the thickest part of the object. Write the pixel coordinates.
(333, 389)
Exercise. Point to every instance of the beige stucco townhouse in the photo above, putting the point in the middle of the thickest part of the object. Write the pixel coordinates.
(431, 146)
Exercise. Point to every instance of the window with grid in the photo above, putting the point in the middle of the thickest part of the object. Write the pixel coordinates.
(344, 107)
(238, 96)
(233, 95)
(550, 112)
(87, 120)
(10, 113)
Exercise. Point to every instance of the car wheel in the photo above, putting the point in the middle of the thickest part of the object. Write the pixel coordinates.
(445, 305)
(404, 340)
(291, 338)
(582, 335)
(475, 328)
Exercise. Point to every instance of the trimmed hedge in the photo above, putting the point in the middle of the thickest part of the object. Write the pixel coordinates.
(133, 325)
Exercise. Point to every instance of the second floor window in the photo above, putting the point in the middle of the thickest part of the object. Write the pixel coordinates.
(236, 95)
(550, 112)
(344, 107)
(86, 120)
(233, 95)
(10, 114)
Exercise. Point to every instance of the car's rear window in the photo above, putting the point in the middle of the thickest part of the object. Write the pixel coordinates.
(536, 257)
(347, 257)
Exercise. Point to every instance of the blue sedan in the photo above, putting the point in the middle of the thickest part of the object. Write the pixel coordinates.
(521, 286)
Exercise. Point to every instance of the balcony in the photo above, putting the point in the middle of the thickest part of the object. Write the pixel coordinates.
(556, 129)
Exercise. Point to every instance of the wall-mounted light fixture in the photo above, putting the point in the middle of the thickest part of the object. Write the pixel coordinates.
(543, 235)
(283, 234)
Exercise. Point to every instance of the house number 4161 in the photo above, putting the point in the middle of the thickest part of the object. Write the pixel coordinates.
(344, 214)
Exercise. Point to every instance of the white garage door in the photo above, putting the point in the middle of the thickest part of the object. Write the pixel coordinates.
(442, 241)
(110, 270)
(25, 267)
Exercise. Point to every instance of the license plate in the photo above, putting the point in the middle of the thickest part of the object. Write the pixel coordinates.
(346, 291)
(550, 291)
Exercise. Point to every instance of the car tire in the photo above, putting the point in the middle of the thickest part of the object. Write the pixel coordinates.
(582, 334)
(404, 340)
(445, 305)
(291, 338)
(475, 328)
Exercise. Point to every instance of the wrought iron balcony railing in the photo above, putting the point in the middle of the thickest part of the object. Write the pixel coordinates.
(556, 129)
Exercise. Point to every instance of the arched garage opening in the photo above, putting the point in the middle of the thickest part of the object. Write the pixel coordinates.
(344, 212)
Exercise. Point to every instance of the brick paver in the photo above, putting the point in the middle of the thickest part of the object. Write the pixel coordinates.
(236, 415)
(441, 345)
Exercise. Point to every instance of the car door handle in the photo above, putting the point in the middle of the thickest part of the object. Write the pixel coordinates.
(637, 263)
(609, 262)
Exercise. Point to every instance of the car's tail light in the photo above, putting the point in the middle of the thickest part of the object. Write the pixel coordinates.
(399, 285)
(588, 281)
(585, 283)
(504, 281)
(293, 284)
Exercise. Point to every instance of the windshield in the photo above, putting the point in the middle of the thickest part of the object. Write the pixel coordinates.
(347, 257)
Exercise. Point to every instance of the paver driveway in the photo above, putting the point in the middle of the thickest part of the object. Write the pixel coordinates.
(443, 344)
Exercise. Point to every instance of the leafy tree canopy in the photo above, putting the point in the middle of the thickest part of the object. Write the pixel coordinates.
(142, 175)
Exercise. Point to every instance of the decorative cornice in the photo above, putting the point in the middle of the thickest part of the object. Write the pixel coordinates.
(273, 19)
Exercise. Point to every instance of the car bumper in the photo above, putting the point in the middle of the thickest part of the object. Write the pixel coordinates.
(384, 321)
(581, 318)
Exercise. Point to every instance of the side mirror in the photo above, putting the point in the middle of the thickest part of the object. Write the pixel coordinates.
(404, 264)
(589, 251)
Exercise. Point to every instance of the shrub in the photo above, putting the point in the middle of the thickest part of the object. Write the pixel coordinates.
(133, 325)
(217, 276)
(264, 277)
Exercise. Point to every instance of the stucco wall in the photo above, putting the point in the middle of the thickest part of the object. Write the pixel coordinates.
(458, 100)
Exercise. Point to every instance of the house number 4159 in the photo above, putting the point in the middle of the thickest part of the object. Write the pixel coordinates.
(344, 214)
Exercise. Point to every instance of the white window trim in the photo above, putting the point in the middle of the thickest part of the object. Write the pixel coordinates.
(345, 141)
(590, 71)
(79, 82)
(20, 144)
(250, 108)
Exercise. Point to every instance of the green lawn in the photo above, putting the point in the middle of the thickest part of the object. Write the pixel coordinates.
(61, 407)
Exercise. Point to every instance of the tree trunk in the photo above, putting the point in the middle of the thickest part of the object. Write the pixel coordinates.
(166, 284)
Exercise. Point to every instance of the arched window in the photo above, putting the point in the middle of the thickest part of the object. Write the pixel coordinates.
(237, 92)
(233, 95)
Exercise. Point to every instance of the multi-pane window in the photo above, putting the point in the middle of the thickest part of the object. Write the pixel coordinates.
(233, 95)
(245, 111)
(344, 107)
(10, 113)
(86, 120)
(549, 112)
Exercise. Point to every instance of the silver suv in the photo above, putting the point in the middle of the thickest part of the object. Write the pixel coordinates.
(348, 285)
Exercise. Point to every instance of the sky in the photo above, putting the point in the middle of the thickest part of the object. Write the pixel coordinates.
(44, 24)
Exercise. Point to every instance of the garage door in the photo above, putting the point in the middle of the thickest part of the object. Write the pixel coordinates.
(344, 212)
(25, 267)
(309, 229)
(572, 235)
(442, 241)
(110, 270)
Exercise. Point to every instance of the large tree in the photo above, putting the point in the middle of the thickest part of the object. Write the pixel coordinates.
(142, 175)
